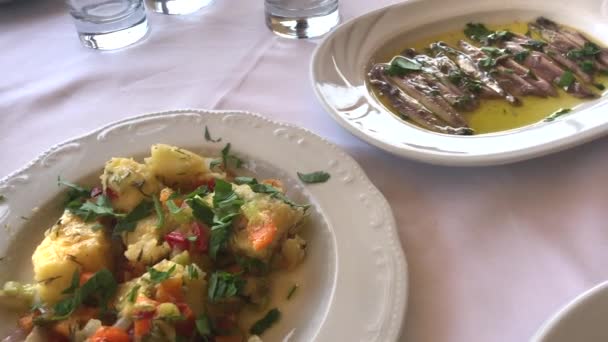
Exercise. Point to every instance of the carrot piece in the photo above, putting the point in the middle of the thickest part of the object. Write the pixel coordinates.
(170, 291)
(165, 193)
(142, 327)
(262, 235)
(109, 334)
(26, 323)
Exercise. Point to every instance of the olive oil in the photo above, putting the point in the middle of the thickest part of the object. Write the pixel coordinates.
(497, 114)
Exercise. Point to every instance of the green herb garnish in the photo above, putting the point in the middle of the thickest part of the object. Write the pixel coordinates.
(101, 287)
(128, 222)
(275, 193)
(587, 66)
(477, 31)
(599, 86)
(566, 79)
(245, 180)
(208, 136)
(160, 214)
(401, 65)
(588, 50)
(266, 322)
(521, 55)
(203, 325)
(314, 177)
(534, 44)
(201, 210)
(226, 206)
(292, 291)
(223, 285)
(157, 276)
(132, 296)
(192, 272)
(557, 114)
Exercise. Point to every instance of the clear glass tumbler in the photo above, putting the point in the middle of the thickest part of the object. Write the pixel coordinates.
(178, 6)
(301, 18)
(109, 24)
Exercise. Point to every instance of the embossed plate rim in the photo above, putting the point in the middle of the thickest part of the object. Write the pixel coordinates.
(395, 299)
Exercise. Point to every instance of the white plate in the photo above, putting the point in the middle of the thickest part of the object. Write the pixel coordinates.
(340, 64)
(353, 283)
(583, 319)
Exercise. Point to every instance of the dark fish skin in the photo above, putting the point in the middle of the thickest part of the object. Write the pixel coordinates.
(447, 65)
(515, 84)
(570, 38)
(568, 63)
(416, 87)
(440, 80)
(409, 108)
(542, 66)
(526, 74)
(558, 46)
(475, 55)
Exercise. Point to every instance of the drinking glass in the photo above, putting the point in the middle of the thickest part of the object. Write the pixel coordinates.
(178, 6)
(301, 18)
(109, 24)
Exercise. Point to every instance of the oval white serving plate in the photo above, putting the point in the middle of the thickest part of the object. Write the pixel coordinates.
(583, 319)
(354, 259)
(340, 64)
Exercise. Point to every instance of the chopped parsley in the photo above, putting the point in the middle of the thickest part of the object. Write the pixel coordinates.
(566, 79)
(587, 66)
(223, 285)
(208, 136)
(314, 177)
(203, 325)
(226, 159)
(132, 296)
(557, 114)
(480, 33)
(521, 56)
(101, 287)
(275, 193)
(477, 31)
(226, 206)
(588, 50)
(128, 222)
(157, 276)
(534, 44)
(487, 63)
(292, 291)
(192, 272)
(599, 86)
(201, 210)
(265, 322)
(160, 215)
(401, 65)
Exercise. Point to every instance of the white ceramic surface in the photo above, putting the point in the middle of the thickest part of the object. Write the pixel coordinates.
(353, 283)
(340, 63)
(583, 319)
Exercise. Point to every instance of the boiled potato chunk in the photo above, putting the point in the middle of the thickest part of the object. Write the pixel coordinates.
(70, 245)
(176, 167)
(145, 244)
(130, 181)
(268, 222)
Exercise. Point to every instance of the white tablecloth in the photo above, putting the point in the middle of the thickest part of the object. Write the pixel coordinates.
(492, 252)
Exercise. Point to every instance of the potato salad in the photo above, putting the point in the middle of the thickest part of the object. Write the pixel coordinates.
(171, 248)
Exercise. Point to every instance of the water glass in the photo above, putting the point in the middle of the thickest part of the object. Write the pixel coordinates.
(109, 24)
(301, 18)
(178, 6)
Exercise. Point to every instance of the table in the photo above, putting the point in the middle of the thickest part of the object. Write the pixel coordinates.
(492, 251)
